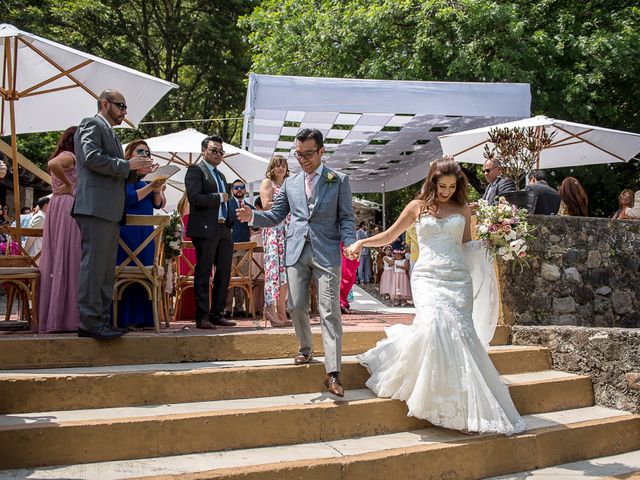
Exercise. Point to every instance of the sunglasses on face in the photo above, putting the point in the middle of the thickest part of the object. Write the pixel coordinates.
(216, 151)
(488, 170)
(238, 187)
(143, 152)
(120, 105)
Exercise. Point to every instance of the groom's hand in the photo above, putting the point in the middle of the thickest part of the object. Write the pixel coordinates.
(244, 213)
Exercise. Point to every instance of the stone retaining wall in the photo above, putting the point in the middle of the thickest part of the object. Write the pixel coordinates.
(611, 356)
(584, 271)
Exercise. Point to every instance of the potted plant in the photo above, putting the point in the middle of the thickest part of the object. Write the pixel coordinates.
(518, 151)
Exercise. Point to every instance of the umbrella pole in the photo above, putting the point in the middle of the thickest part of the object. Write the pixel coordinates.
(384, 208)
(11, 97)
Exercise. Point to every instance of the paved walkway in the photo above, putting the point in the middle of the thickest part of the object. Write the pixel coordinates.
(368, 314)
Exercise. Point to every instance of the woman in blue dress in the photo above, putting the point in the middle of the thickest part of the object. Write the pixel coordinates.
(135, 310)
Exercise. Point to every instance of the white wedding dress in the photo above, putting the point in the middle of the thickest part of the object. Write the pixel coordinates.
(438, 364)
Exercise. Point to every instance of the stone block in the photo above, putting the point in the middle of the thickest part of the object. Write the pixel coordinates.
(603, 291)
(621, 302)
(633, 380)
(572, 256)
(572, 275)
(550, 272)
(564, 305)
(594, 259)
(554, 238)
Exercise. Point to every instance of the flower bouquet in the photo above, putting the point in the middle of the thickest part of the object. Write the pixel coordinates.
(504, 231)
(173, 234)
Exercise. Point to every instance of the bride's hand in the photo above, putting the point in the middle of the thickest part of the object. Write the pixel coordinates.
(352, 252)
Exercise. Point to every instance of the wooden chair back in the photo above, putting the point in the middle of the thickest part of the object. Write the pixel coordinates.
(241, 274)
(151, 277)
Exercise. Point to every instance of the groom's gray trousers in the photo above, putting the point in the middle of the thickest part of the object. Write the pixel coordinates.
(327, 280)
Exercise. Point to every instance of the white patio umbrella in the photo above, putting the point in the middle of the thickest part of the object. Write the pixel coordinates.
(184, 148)
(47, 86)
(574, 144)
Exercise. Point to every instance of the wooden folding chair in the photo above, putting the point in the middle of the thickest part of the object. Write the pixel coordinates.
(151, 277)
(240, 279)
(184, 279)
(20, 278)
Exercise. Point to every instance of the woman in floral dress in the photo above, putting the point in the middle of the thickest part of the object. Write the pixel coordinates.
(275, 272)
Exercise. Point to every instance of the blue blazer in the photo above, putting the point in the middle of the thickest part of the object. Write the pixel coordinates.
(241, 232)
(330, 221)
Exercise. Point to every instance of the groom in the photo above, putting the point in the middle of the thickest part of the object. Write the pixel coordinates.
(319, 201)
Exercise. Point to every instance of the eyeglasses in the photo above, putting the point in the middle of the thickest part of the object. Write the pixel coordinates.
(306, 155)
(215, 151)
(238, 187)
(488, 170)
(143, 152)
(120, 105)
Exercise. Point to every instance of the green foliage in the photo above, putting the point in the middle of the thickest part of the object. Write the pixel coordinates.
(581, 58)
(194, 43)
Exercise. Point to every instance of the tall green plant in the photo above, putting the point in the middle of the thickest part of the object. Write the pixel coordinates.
(517, 149)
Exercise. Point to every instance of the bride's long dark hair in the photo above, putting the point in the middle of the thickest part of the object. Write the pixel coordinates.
(440, 168)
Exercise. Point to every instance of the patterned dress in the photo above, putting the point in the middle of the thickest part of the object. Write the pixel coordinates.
(275, 272)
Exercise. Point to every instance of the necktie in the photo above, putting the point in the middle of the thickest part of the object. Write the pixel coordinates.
(309, 185)
(222, 214)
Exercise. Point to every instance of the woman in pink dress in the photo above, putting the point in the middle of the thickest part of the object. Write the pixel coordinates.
(60, 260)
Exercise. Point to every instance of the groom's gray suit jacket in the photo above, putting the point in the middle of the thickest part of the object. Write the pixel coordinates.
(325, 221)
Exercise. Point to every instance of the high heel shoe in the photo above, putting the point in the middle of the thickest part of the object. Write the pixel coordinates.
(271, 315)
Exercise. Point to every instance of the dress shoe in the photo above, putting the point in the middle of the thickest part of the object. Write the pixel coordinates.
(301, 359)
(228, 314)
(241, 314)
(205, 325)
(223, 322)
(103, 332)
(333, 385)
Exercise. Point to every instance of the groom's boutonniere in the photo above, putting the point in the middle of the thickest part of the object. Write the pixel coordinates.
(331, 177)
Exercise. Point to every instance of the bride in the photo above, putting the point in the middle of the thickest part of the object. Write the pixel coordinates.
(438, 365)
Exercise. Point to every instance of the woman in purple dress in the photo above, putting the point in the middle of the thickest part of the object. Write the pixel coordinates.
(60, 260)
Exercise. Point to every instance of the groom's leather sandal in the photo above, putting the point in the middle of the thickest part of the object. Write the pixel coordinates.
(333, 385)
(301, 359)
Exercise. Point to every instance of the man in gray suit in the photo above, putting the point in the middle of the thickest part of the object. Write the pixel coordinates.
(498, 185)
(319, 201)
(98, 209)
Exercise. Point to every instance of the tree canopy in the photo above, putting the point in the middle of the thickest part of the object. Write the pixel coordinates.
(579, 57)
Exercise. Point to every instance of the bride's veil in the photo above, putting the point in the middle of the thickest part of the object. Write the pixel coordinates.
(485, 291)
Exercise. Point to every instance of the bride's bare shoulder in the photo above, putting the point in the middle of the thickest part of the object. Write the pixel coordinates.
(416, 208)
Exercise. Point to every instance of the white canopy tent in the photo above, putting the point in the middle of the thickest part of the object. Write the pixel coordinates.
(574, 144)
(184, 148)
(380, 132)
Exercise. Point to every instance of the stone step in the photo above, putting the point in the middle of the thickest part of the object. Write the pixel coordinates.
(51, 351)
(550, 439)
(75, 436)
(622, 466)
(116, 386)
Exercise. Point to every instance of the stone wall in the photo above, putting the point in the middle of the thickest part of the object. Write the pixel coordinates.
(611, 356)
(584, 271)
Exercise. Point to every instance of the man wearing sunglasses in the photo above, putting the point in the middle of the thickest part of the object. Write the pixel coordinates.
(319, 200)
(210, 230)
(497, 185)
(241, 233)
(98, 209)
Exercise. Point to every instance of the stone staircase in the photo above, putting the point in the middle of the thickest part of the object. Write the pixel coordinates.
(232, 406)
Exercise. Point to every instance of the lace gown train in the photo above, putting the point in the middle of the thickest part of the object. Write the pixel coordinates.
(438, 365)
